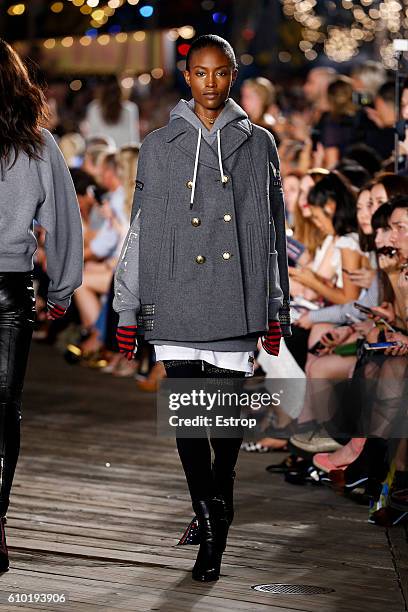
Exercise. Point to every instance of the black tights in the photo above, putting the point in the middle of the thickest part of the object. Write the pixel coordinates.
(195, 453)
(17, 315)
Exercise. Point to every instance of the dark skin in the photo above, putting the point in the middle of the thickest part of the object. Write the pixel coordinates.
(210, 78)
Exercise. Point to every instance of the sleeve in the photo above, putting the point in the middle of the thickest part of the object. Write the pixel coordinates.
(59, 215)
(126, 301)
(278, 303)
(149, 166)
(104, 244)
(348, 241)
(338, 313)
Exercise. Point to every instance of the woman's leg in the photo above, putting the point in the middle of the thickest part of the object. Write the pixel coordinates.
(194, 452)
(17, 315)
(226, 449)
(87, 297)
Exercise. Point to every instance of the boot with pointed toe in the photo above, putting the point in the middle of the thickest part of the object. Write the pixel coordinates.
(4, 560)
(206, 567)
(224, 487)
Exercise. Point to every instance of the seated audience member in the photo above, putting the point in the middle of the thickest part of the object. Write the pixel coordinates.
(103, 250)
(333, 209)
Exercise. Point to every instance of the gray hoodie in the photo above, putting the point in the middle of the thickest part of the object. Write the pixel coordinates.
(231, 112)
(42, 190)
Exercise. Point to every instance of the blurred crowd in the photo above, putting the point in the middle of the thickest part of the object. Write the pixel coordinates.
(347, 229)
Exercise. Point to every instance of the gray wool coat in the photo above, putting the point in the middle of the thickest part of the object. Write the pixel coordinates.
(217, 269)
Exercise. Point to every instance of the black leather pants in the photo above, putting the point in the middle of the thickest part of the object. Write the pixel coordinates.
(17, 316)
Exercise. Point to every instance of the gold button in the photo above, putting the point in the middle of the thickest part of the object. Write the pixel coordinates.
(227, 217)
(195, 221)
(189, 184)
(226, 255)
(200, 259)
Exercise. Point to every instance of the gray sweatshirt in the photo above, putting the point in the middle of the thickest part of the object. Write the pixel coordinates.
(42, 190)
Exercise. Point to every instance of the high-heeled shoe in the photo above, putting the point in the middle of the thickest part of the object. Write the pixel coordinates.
(4, 560)
(206, 567)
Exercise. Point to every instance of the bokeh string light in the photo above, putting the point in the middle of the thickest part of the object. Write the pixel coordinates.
(364, 22)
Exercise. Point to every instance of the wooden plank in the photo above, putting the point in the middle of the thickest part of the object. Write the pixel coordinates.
(107, 534)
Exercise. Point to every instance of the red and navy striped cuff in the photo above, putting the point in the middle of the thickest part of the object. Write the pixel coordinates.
(54, 310)
(271, 342)
(126, 338)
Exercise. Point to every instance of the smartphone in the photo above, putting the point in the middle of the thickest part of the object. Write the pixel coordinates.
(373, 313)
(364, 309)
(379, 346)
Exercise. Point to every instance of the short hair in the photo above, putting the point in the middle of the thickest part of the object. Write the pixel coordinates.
(399, 201)
(387, 92)
(212, 40)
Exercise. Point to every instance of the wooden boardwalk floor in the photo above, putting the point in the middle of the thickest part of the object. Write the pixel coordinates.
(99, 503)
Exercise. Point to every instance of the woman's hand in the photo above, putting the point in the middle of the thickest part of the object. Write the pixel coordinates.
(106, 211)
(385, 311)
(363, 328)
(402, 339)
(388, 263)
(304, 321)
(318, 156)
(305, 276)
(363, 277)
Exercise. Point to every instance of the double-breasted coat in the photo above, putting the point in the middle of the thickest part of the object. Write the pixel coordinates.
(214, 266)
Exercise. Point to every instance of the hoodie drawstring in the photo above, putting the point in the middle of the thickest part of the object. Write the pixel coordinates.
(195, 168)
(224, 179)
